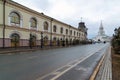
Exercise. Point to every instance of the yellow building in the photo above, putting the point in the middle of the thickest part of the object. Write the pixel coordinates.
(21, 26)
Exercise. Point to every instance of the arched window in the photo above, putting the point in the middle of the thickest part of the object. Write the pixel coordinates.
(66, 31)
(74, 33)
(61, 30)
(70, 32)
(45, 25)
(33, 23)
(54, 28)
(15, 18)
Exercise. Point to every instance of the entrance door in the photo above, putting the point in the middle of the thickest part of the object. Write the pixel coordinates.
(15, 40)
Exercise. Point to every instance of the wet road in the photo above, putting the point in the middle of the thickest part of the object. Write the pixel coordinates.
(57, 64)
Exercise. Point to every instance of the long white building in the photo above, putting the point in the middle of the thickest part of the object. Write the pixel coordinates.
(22, 26)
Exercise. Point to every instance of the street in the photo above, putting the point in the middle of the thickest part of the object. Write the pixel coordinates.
(71, 63)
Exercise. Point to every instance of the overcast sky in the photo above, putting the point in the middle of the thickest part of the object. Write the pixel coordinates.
(71, 11)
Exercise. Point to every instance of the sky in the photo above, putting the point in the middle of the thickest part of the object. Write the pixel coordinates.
(92, 13)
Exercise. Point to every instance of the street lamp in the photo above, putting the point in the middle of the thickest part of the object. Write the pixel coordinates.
(30, 41)
(41, 39)
(63, 40)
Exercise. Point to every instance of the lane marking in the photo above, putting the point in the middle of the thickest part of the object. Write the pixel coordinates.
(69, 65)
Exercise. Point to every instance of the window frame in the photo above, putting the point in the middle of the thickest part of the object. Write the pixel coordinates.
(33, 22)
(15, 18)
(61, 30)
(54, 28)
(46, 26)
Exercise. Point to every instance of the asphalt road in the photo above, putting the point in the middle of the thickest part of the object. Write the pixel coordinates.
(59, 64)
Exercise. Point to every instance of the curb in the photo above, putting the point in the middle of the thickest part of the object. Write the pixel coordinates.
(14, 51)
(92, 77)
(28, 50)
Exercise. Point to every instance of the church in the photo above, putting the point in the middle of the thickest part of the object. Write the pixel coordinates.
(101, 36)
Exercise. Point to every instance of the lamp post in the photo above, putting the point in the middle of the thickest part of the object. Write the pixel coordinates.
(30, 41)
(63, 40)
(4, 1)
(41, 39)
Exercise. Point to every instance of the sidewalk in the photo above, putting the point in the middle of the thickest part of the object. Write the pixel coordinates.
(9, 50)
(104, 68)
(27, 49)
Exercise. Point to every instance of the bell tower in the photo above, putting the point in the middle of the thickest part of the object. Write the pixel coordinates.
(82, 27)
(101, 31)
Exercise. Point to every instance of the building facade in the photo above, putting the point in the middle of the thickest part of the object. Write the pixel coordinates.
(21, 26)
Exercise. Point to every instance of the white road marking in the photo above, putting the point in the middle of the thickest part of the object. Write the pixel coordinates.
(69, 65)
(78, 69)
(56, 73)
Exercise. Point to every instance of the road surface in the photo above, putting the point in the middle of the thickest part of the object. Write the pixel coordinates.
(72, 63)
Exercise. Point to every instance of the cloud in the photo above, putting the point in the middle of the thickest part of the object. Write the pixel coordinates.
(71, 11)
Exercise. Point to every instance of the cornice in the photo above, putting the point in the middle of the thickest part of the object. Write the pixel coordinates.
(37, 13)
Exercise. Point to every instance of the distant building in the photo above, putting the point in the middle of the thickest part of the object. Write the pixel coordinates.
(101, 37)
(83, 28)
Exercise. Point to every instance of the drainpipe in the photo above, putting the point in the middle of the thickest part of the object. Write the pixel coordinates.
(4, 1)
(69, 35)
(51, 32)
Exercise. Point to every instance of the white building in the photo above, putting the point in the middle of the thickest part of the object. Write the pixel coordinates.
(21, 26)
(101, 35)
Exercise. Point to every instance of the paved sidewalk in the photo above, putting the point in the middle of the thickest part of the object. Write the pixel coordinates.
(26, 49)
(5, 51)
(105, 70)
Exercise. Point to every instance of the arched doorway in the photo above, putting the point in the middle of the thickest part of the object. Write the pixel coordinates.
(66, 41)
(74, 41)
(32, 40)
(46, 40)
(15, 40)
(54, 41)
(70, 41)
